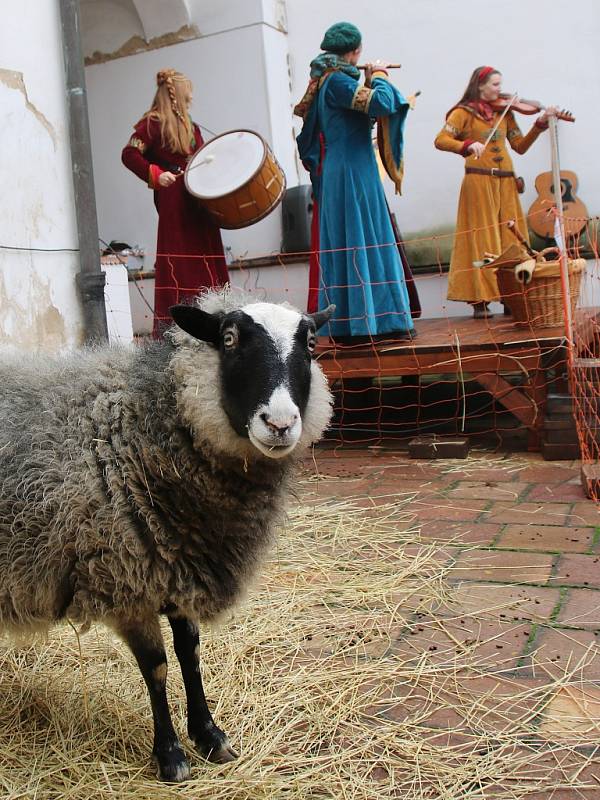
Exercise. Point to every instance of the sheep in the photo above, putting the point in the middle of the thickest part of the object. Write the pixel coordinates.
(148, 481)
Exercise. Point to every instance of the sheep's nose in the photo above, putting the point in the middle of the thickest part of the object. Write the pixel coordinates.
(279, 426)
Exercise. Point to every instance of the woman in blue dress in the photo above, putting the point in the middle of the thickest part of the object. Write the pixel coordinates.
(360, 267)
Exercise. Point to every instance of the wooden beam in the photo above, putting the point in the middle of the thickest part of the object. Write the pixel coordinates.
(513, 399)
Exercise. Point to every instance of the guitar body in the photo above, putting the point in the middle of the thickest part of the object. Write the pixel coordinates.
(540, 217)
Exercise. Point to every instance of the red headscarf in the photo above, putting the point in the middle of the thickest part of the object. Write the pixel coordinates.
(485, 73)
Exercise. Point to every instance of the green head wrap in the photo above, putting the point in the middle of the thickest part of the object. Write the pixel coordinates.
(341, 38)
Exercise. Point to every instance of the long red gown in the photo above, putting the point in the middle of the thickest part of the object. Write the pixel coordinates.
(189, 250)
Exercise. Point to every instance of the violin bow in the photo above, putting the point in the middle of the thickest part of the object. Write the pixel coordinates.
(499, 120)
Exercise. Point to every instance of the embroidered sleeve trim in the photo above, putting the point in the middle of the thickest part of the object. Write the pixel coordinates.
(137, 143)
(451, 129)
(362, 99)
(514, 132)
(154, 173)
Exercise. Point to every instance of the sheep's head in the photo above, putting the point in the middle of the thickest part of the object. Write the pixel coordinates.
(266, 370)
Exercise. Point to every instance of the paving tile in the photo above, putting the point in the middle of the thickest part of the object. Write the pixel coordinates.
(581, 609)
(469, 701)
(467, 642)
(488, 490)
(573, 715)
(505, 566)
(557, 771)
(586, 513)
(475, 473)
(550, 538)
(556, 492)
(590, 792)
(528, 513)
(420, 487)
(460, 532)
(579, 570)
(457, 510)
(504, 602)
(410, 470)
(557, 652)
(545, 473)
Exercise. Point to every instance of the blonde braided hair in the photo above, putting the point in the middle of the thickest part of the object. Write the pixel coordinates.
(169, 107)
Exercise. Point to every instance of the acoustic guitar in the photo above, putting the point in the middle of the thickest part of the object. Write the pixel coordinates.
(540, 216)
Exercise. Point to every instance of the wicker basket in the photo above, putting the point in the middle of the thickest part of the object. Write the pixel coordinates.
(539, 303)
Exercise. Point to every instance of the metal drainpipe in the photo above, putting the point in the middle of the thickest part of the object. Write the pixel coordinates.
(90, 279)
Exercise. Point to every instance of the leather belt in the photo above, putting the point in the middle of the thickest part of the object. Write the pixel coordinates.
(496, 173)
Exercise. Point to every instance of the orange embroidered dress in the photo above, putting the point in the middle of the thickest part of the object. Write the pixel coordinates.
(486, 200)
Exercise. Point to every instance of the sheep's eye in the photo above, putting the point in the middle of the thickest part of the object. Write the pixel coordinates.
(230, 339)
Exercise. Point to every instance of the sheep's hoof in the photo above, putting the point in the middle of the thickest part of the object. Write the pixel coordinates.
(214, 745)
(171, 764)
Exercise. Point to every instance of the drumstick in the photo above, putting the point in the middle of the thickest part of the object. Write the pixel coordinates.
(512, 226)
(382, 66)
(206, 160)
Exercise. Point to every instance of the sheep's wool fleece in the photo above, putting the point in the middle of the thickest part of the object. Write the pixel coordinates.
(124, 490)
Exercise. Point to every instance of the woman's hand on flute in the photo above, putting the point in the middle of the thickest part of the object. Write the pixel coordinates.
(370, 68)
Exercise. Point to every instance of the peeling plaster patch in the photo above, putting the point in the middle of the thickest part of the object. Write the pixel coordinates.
(281, 16)
(38, 326)
(138, 45)
(14, 80)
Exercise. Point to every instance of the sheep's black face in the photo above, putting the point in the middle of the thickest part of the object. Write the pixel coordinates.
(265, 354)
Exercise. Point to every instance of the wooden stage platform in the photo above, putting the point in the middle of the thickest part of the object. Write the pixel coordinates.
(482, 349)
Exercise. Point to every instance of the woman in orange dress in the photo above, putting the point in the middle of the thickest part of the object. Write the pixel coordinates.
(488, 195)
(189, 251)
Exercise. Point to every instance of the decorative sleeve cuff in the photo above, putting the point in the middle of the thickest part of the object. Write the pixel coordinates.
(154, 174)
(362, 99)
(464, 150)
(380, 72)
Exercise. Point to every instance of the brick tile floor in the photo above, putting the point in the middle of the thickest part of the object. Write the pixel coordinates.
(504, 566)
(529, 513)
(520, 549)
(573, 569)
(581, 609)
(556, 651)
(547, 538)
(480, 533)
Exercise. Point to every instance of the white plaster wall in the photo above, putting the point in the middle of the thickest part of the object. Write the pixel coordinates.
(39, 308)
(239, 70)
(107, 24)
(288, 283)
(546, 49)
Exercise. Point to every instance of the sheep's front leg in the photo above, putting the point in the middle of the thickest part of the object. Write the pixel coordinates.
(208, 738)
(146, 642)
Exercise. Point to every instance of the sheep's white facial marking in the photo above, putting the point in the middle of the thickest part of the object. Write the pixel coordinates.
(276, 425)
(265, 375)
(281, 324)
(265, 358)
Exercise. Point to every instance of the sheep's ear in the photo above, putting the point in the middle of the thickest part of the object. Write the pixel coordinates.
(321, 317)
(198, 323)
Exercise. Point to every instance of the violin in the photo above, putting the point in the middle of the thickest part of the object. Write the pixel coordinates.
(523, 106)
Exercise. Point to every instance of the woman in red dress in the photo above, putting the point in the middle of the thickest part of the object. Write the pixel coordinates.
(189, 251)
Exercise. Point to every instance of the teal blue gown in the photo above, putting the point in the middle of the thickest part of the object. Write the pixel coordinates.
(360, 267)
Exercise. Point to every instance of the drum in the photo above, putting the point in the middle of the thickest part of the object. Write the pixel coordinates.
(236, 178)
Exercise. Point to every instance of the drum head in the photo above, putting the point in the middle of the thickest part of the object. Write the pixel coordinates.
(224, 164)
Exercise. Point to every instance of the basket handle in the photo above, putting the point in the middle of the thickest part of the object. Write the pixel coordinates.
(541, 256)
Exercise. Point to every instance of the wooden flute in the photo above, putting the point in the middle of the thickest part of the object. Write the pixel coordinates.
(381, 66)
